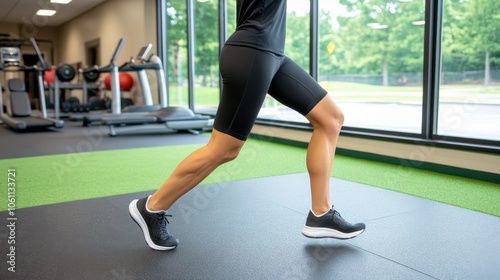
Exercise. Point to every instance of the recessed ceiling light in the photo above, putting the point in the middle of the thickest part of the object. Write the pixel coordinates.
(60, 1)
(45, 13)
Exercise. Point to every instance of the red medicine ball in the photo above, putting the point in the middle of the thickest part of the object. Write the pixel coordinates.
(48, 76)
(126, 81)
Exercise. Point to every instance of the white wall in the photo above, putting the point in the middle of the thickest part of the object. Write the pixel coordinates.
(41, 33)
(109, 22)
(134, 20)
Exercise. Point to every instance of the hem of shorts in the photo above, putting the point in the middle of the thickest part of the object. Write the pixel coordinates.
(312, 105)
(232, 133)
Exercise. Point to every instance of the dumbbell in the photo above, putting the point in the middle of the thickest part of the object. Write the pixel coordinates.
(91, 76)
(70, 104)
(65, 72)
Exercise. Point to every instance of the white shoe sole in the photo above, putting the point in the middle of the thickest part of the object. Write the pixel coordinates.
(315, 232)
(136, 215)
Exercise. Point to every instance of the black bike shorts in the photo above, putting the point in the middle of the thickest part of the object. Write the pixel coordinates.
(247, 75)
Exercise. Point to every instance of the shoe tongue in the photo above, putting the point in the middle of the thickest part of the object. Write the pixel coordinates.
(161, 214)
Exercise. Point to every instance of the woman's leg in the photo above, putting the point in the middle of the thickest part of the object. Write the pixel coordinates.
(150, 212)
(326, 119)
(246, 75)
(295, 88)
(220, 149)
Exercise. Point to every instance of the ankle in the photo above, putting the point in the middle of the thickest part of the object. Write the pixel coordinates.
(320, 211)
(152, 205)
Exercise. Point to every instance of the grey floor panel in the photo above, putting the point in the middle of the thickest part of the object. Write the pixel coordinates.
(74, 138)
(250, 229)
(441, 241)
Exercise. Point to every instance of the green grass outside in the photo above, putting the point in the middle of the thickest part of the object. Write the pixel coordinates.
(344, 91)
(204, 96)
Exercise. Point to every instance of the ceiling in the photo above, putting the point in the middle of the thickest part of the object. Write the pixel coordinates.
(23, 11)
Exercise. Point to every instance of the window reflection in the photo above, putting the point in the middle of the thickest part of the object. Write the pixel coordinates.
(469, 92)
(371, 61)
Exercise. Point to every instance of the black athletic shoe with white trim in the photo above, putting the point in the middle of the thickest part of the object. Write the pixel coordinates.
(153, 225)
(331, 225)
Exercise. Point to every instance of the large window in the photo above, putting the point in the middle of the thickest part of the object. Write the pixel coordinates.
(371, 61)
(231, 18)
(395, 67)
(206, 54)
(469, 92)
(297, 48)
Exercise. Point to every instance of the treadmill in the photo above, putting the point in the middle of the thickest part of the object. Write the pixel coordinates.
(143, 82)
(21, 117)
(114, 69)
(148, 106)
(164, 119)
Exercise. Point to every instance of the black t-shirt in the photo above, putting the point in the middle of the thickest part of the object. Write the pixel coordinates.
(261, 24)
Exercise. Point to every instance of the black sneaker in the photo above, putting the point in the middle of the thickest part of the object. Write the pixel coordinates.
(331, 225)
(153, 225)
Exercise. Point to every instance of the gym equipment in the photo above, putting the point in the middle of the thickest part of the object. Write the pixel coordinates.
(62, 77)
(65, 73)
(21, 117)
(125, 80)
(140, 65)
(49, 76)
(1, 100)
(169, 119)
(111, 68)
(91, 76)
(165, 119)
(10, 56)
(162, 119)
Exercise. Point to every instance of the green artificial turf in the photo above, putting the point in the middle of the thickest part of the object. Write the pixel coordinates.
(58, 178)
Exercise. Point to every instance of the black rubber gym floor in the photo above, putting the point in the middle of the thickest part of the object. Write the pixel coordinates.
(74, 138)
(246, 229)
(251, 230)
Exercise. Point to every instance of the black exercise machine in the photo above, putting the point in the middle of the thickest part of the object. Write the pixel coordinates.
(21, 117)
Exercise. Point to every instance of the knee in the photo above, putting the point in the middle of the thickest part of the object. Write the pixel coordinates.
(336, 122)
(338, 119)
(225, 154)
(231, 154)
(331, 123)
(223, 148)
